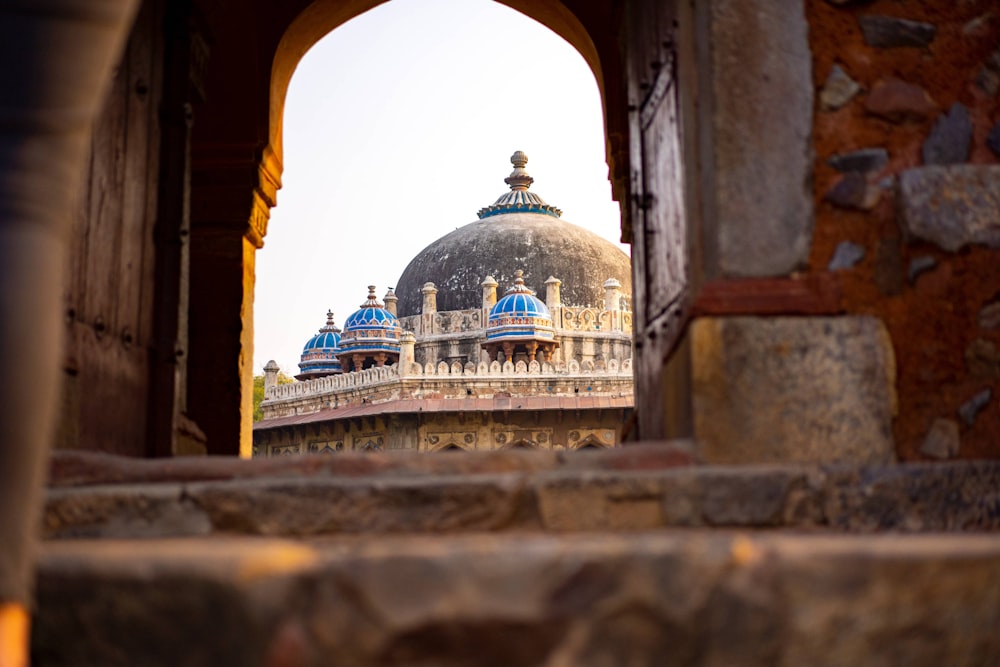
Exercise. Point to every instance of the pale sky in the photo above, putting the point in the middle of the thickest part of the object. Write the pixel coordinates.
(399, 126)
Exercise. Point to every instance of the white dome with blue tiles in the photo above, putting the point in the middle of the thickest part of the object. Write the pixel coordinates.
(319, 356)
(519, 315)
(370, 336)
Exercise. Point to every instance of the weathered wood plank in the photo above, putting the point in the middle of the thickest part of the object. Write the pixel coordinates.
(660, 233)
(98, 304)
(110, 284)
(139, 206)
(813, 294)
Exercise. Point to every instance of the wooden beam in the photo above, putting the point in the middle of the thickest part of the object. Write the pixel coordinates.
(811, 294)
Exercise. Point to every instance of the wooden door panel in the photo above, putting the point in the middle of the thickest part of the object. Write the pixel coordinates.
(660, 249)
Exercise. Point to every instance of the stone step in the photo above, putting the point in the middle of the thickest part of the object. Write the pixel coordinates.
(693, 597)
(634, 488)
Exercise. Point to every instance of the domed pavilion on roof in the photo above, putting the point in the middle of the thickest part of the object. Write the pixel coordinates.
(445, 364)
(371, 336)
(319, 356)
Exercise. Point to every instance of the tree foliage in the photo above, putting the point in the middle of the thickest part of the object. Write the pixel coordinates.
(258, 393)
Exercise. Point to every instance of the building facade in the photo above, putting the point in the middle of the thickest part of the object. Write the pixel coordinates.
(488, 373)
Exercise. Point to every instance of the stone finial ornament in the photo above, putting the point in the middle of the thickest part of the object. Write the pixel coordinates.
(519, 178)
(372, 300)
(519, 200)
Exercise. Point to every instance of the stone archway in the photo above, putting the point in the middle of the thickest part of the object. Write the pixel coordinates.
(237, 166)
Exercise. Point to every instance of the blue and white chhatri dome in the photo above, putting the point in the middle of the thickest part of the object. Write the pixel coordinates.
(371, 336)
(520, 321)
(519, 314)
(319, 356)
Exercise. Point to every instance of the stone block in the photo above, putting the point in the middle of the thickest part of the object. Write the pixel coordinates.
(600, 501)
(942, 440)
(862, 161)
(951, 206)
(123, 511)
(587, 600)
(312, 507)
(838, 90)
(898, 101)
(761, 130)
(808, 389)
(918, 497)
(846, 255)
(889, 32)
(950, 138)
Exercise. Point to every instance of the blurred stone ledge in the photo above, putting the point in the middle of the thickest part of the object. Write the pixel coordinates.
(655, 598)
(626, 489)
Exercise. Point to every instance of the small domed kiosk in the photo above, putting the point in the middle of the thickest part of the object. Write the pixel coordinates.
(319, 356)
(370, 337)
(520, 324)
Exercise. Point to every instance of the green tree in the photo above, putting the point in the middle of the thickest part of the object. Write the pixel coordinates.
(258, 392)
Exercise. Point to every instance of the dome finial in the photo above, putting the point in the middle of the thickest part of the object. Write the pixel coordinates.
(372, 300)
(329, 318)
(519, 178)
(518, 286)
(519, 199)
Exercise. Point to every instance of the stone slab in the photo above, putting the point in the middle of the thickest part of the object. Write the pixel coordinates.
(956, 496)
(762, 97)
(72, 469)
(951, 206)
(123, 511)
(786, 389)
(652, 598)
(889, 32)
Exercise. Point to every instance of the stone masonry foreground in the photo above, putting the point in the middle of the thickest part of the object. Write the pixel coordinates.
(645, 598)
(631, 556)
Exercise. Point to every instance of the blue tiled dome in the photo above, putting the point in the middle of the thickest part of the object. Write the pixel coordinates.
(370, 331)
(519, 315)
(319, 356)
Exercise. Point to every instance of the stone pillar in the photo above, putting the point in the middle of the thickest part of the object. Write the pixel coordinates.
(612, 303)
(430, 299)
(390, 301)
(832, 400)
(489, 286)
(406, 356)
(270, 376)
(553, 300)
(612, 295)
(552, 297)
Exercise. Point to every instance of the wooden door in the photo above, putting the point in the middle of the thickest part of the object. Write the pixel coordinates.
(660, 232)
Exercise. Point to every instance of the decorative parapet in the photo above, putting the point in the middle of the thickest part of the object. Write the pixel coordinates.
(447, 322)
(374, 377)
(495, 369)
(368, 377)
(580, 318)
(595, 319)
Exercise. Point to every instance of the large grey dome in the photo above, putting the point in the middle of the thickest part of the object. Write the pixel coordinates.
(518, 232)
